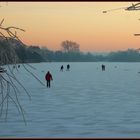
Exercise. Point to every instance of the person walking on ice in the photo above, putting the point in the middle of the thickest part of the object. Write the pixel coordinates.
(48, 78)
(61, 69)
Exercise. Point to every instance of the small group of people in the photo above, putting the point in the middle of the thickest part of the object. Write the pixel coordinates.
(49, 77)
(15, 66)
(62, 67)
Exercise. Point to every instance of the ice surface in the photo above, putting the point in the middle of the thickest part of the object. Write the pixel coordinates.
(82, 102)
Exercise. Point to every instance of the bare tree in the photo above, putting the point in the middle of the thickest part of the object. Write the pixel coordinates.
(70, 46)
(9, 84)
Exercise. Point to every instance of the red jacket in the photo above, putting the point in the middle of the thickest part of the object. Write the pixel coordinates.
(48, 77)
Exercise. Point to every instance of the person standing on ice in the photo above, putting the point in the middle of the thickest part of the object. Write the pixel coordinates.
(103, 67)
(48, 78)
(68, 67)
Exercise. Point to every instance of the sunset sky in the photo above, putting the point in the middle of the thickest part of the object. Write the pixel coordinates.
(50, 23)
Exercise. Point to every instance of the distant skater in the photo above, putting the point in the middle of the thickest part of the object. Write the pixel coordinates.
(48, 78)
(68, 67)
(61, 69)
(14, 67)
(103, 67)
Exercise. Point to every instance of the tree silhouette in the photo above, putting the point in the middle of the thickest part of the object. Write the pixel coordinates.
(9, 84)
(70, 46)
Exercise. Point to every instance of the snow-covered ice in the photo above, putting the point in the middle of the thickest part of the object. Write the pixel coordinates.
(82, 102)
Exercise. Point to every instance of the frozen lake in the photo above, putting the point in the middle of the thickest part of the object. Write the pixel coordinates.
(82, 102)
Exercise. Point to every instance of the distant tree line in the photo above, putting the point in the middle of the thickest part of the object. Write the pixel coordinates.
(129, 55)
(69, 52)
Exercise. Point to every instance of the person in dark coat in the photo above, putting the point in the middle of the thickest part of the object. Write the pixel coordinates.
(48, 78)
(61, 69)
(68, 67)
(103, 67)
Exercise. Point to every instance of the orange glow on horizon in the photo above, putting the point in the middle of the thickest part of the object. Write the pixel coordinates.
(50, 23)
